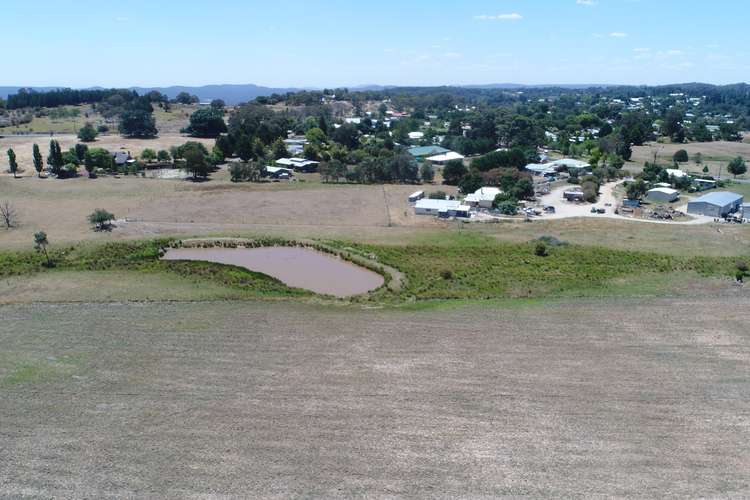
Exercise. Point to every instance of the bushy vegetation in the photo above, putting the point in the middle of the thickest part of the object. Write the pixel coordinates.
(456, 267)
(484, 270)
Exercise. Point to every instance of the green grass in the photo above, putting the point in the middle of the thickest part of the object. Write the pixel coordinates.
(460, 266)
(143, 257)
(477, 269)
(39, 370)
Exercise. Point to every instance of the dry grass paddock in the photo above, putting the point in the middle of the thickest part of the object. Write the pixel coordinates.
(716, 154)
(626, 398)
(23, 146)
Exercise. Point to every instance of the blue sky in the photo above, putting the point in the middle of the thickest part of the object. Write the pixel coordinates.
(409, 42)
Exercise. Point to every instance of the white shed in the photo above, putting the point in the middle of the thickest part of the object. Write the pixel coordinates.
(662, 195)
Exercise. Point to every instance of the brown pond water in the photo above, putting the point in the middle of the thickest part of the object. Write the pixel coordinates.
(294, 266)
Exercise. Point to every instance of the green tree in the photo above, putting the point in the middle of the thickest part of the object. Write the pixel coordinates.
(87, 133)
(101, 219)
(523, 189)
(244, 148)
(80, 152)
(218, 104)
(426, 172)
(196, 159)
(98, 158)
(470, 183)
(698, 158)
(40, 245)
(636, 190)
(38, 161)
(316, 136)
(186, 98)
(506, 207)
(681, 156)
(279, 149)
(347, 135)
(55, 158)
(12, 163)
(453, 171)
(207, 122)
(137, 123)
(163, 156)
(148, 154)
(737, 166)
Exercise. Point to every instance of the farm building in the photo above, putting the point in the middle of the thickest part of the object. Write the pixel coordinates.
(677, 173)
(445, 157)
(298, 164)
(570, 164)
(541, 169)
(573, 195)
(425, 151)
(717, 204)
(279, 172)
(415, 197)
(483, 197)
(295, 145)
(745, 210)
(704, 184)
(441, 208)
(122, 158)
(662, 195)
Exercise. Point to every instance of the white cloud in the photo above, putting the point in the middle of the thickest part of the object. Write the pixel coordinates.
(673, 52)
(590, 3)
(452, 55)
(122, 19)
(641, 50)
(618, 34)
(500, 17)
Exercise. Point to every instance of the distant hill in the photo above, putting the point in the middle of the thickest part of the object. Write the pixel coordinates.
(231, 94)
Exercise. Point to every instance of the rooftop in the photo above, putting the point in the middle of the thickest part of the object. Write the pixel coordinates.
(720, 198)
(427, 150)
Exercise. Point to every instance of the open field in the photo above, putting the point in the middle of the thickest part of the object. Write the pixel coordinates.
(370, 214)
(184, 400)
(716, 154)
(167, 122)
(22, 145)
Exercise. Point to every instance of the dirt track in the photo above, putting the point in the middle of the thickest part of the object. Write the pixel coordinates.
(615, 399)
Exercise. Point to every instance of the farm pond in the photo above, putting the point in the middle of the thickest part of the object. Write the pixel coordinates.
(296, 267)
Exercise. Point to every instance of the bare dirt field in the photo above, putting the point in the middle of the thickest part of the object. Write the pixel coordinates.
(184, 400)
(716, 154)
(22, 145)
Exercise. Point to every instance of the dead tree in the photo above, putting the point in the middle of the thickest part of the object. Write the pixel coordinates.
(8, 214)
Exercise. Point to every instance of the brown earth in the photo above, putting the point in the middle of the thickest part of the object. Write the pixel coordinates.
(183, 400)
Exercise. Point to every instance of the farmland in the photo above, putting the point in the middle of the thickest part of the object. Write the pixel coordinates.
(716, 155)
(178, 400)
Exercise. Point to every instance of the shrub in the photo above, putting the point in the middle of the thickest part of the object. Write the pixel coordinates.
(507, 207)
(681, 156)
(446, 274)
(101, 219)
(551, 241)
(540, 249)
(437, 195)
